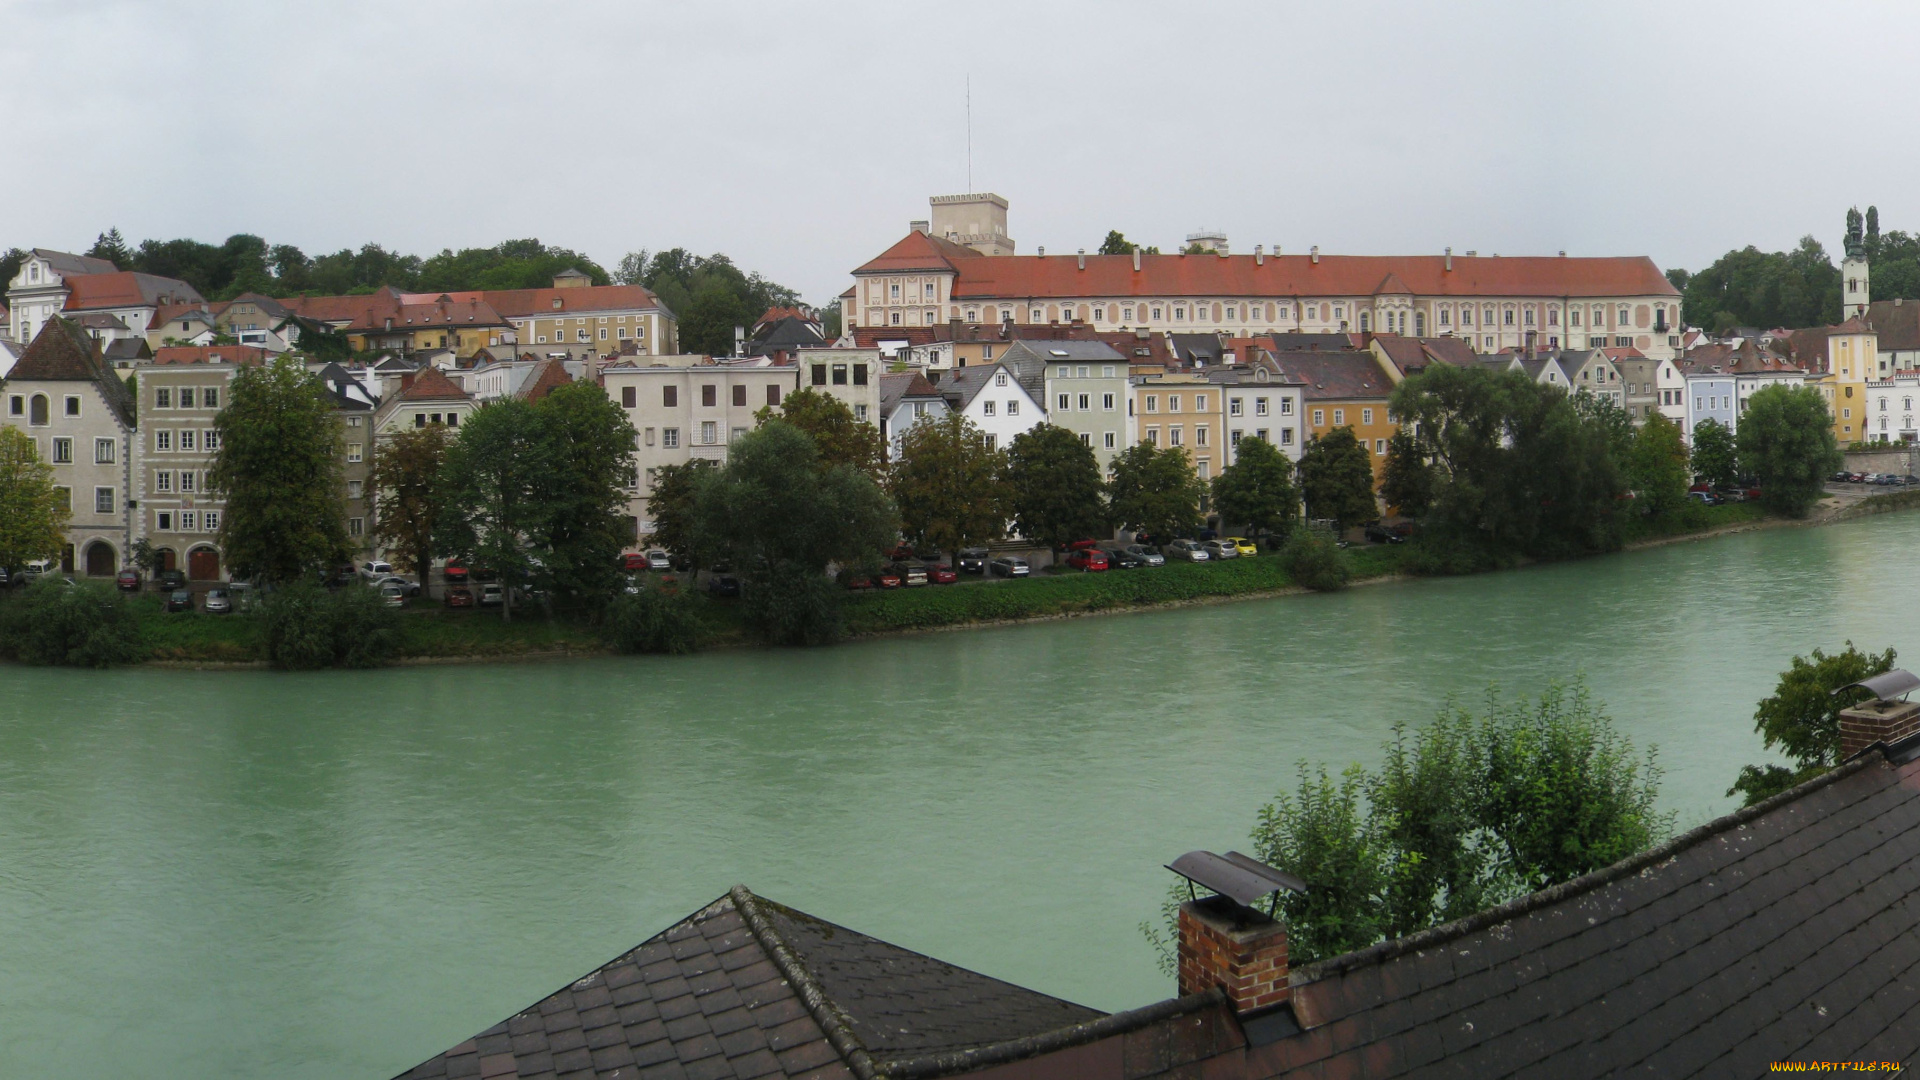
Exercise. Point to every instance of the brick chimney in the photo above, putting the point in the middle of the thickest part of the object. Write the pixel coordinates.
(1235, 948)
(1876, 721)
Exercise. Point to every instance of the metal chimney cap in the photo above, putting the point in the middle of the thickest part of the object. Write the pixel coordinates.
(1235, 876)
(1885, 687)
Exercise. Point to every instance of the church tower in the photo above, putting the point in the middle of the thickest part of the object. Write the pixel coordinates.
(1853, 271)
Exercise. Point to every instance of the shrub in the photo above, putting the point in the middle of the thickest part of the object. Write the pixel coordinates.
(73, 624)
(653, 622)
(304, 627)
(1313, 560)
(794, 606)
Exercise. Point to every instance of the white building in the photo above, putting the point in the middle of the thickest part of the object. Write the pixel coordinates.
(991, 397)
(57, 283)
(905, 400)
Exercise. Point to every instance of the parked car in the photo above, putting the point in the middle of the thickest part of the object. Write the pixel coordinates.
(219, 602)
(411, 588)
(657, 560)
(453, 573)
(244, 595)
(941, 574)
(1841, 477)
(375, 569)
(1380, 534)
(633, 560)
(8, 579)
(459, 596)
(1185, 550)
(492, 594)
(972, 560)
(1146, 555)
(1243, 545)
(887, 579)
(901, 551)
(1009, 566)
(1087, 559)
(859, 581)
(723, 585)
(1856, 478)
(393, 593)
(1220, 549)
(927, 554)
(180, 600)
(169, 580)
(40, 567)
(127, 580)
(1705, 498)
(909, 573)
(1700, 487)
(1124, 560)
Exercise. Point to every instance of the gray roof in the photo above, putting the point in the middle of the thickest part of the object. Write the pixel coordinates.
(1028, 360)
(895, 388)
(961, 385)
(1192, 347)
(65, 263)
(126, 349)
(788, 333)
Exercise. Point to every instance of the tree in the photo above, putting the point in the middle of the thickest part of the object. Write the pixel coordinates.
(1786, 441)
(406, 490)
(1715, 459)
(1257, 489)
(949, 484)
(1407, 482)
(1116, 244)
(589, 449)
(671, 505)
(779, 517)
(1612, 421)
(495, 494)
(1336, 479)
(1155, 492)
(1657, 466)
(278, 468)
(1053, 488)
(841, 439)
(33, 514)
(1750, 287)
(711, 295)
(111, 246)
(1802, 718)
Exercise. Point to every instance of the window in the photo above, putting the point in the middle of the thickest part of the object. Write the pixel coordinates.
(1180, 313)
(1013, 408)
(993, 442)
(163, 481)
(734, 435)
(1086, 402)
(353, 487)
(603, 334)
(740, 394)
(189, 521)
(356, 526)
(896, 318)
(773, 394)
(162, 441)
(1153, 436)
(103, 500)
(163, 521)
(103, 450)
(986, 408)
(1063, 402)
(859, 412)
(1174, 435)
(709, 395)
(1000, 379)
(1366, 416)
(73, 405)
(353, 452)
(1156, 313)
(209, 397)
(1173, 402)
(581, 334)
(1319, 417)
(210, 521)
(210, 440)
(670, 438)
(860, 371)
(1099, 315)
(162, 398)
(62, 450)
(621, 332)
(709, 432)
(1205, 467)
(1200, 435)
(453, 419)
(629, 397)
(1286, 436)
(186, 397)
(1339, 417)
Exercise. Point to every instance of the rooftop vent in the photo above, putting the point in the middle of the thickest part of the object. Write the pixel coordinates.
(1316, 254)
(1225, 940)
(1882, 719)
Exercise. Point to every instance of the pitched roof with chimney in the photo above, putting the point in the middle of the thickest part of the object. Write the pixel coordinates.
(1028, 360)
(248, 355)
(125, 288)
(1897, 322)
(544, 378)
(1141, 347)
(746, 987)
(961, 385)
(1336, 376)
(430, 384)
(521, 303)
(904, 386)
(919, 251)
(62, 352)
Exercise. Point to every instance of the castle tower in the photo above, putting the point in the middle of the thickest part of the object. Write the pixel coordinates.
(978, 220)
(1854, 293)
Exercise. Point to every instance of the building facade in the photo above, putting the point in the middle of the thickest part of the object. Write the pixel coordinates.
(1084, 387)
(179, 513)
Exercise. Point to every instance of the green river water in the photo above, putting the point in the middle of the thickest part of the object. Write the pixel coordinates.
(213, 874)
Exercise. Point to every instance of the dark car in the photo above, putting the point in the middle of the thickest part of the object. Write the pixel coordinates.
(725, 585)
(901, 551)
(1089, 559)
(1705, 498)
(859, 581)
(1842, 477)
(180, 600)
(168, 580)
(1125, 560)
(972, 560)
(1380, 534)
(459, 596)
(127, 580)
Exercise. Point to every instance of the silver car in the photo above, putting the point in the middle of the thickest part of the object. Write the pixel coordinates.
(219, 602)
(1009, 566)
(657, 560)
(1221, 549)
(1188, 550)
(1146, 554)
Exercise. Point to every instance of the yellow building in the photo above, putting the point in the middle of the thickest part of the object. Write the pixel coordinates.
(1344, 389)
(1853, 351)
(1182, 409)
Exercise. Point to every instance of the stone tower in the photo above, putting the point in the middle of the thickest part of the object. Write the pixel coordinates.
(1853, 271)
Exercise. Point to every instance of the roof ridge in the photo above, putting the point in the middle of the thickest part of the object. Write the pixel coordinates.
(1120, 1023)
(1553, 894)
(825, 1013)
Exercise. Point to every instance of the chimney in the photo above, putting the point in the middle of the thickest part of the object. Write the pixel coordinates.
(920, 226)
(1316, 254)
(1449, 260)
(1136, 262)
(1224, 941)
(1083, 258)
(1043, 249)
(1259, 255)
(1881, 719)
(1563, 253)
(1276, 251)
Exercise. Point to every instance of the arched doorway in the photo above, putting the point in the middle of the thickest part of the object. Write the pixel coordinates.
(165, 559)
(100, 559)
(203, 564)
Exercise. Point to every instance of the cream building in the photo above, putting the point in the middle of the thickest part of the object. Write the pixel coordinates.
(849, 375)
(51, 283)
(178, 512)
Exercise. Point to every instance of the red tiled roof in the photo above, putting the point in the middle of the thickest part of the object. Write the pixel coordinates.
(867, 337)
(366, 310)
(1391, 285)
(551, 375)
(918, 251)
(124, 288)
(456, 313)
(209, 354)
(429, 384)
(167, 313)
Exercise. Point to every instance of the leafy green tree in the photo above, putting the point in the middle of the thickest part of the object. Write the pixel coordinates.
(1314, 561)
(1612, 420)
(653, 621)
(1053, 487)
(949, 485)
(496, 494)
(511, 264)
(304, 627)
(1155, 492)
(1407, 482)
(84, 624)
(1657, 466)
(671, 505)
(1750, 287)
(1116, 244)
(1802, 718)
(1715, 458)
(1325, 834)
(1336, 479)
(144, 556)
(1257, 489)
(111, 246)
(33, 515)
(1786, 441)
(278, 468)
(710, 295)
(11, 261)
(779, 517)
(589, 449)
(406, 491)
(841, 439)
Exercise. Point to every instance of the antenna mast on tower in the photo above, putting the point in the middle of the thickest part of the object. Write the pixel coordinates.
(969, 131)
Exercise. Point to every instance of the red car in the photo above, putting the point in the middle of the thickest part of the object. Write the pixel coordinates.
(1088, 559)
(1701, 487)
(902, 552)
(889, 580)
(128, 580)
(460, 597)
(454, 574)
(633, 560)
(859, 581)
(942, 575)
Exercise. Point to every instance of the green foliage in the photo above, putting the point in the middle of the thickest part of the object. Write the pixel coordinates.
(33, 516)
(1716, 460)
(144, 556)
(1053, 487)
(710, 295)
(1257, 489)
(949, 485)
(1612, 420)
(1786, 442)
(512, 264)
(1155, 491)
(304, 627)
(1407, 483)
(278, 468)
(1116, 244)
(653, 621)
(1314, 561)
(1750, 287)
(1336, 479)
(1325, 833)
(496, 493)
(672, 507)
(11, 261)
(1896, 260)
(111, 246)
(1657, 466)
(841, 439)
(406, 489)
(589, 447)
(75, 625)
(1802, 717)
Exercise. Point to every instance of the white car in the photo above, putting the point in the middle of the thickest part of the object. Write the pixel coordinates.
(492, 595)
(406, 586)
(657, 560)
(374, 570)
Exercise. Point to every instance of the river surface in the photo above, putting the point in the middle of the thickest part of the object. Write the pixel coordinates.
(337, 875)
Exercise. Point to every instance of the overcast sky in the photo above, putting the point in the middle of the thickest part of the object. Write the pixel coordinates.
(800, 139)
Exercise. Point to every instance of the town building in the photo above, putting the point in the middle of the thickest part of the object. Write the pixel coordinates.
(420, 398)
(1181, 409)
(1591, 371)
(1515, 302)
(993, 399)
(1263, 402)
(181, 394)
(51, 283)
(850, 376)
(1344, 389)
(906, 399)
(1651, 386)
(80, 418)
(354, 405)
(1084, 387)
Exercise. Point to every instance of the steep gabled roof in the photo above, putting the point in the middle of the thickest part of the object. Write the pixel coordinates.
(905, 386)
(1336, 376)
(62, 352)
(430, 384)
(124, 288)
(1391, 285)
(961, 385)
(919, 251)
(544, 378)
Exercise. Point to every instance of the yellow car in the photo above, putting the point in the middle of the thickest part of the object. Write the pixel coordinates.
(1243, 545)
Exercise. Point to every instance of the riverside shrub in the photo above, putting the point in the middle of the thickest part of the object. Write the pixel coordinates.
(81, 624)
(653, 622)
(304, 627)
(1314, 561)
